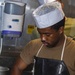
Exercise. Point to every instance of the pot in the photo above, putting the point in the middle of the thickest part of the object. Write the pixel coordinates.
(4, 70)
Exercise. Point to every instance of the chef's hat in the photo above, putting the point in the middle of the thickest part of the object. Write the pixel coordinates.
(47, 15)
(45, 1)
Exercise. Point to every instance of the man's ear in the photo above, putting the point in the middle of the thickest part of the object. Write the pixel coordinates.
(61, 29)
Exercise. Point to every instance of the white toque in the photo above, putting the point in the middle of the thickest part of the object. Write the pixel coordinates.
(48, 14)
(45, 1)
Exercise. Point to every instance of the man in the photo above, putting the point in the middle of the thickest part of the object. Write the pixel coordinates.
(53, 53)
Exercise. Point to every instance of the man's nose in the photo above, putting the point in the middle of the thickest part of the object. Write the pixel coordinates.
(43, 38)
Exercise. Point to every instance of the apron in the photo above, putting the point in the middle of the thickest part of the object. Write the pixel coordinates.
(43, 66)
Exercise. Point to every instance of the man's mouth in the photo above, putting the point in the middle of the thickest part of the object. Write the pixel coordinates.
(45, 43)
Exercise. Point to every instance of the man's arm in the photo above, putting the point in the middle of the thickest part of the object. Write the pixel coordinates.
(18, 67)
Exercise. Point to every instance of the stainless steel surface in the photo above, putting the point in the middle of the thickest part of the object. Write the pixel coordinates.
(4, 70)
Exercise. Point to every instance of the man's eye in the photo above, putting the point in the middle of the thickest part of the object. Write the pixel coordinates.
(48, 34)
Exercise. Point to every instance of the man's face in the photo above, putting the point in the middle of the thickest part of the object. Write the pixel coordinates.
(49, 36)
